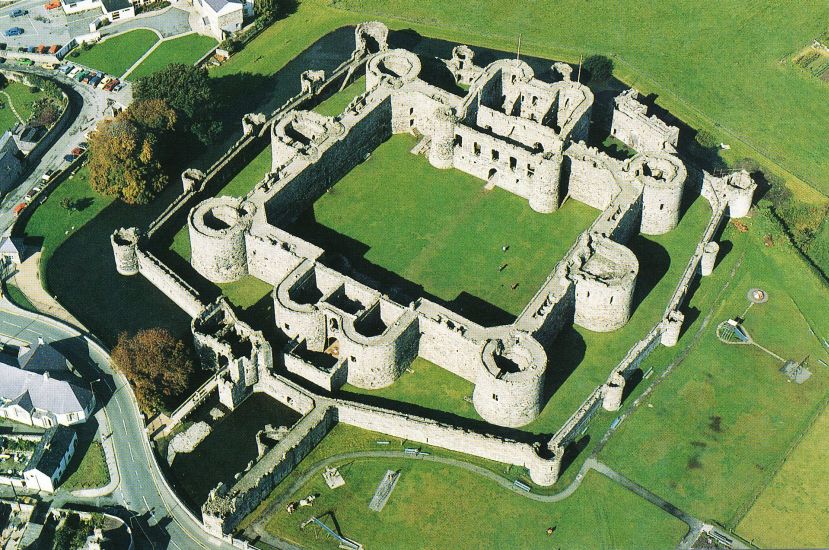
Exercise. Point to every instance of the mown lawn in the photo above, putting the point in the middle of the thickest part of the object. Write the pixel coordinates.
(187, 49)
(337, 103)
(22, 97)
(794, 510)
(90, 469)
(395, 216)
(117, 54)
(714, 433)
(18, 298)
(52, 224)
(442, 506)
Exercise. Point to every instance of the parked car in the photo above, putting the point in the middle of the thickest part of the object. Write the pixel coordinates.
(47, 176)
(104, 81)
(52, 5)
(19, 12)
(30, 195)
(120, 86)
(25, 61)
(14, 31)
(19, 208)
(69, 158)
(2, 45)
(40, 49)
(73, 72)
(78, 151)
(53, 49)
(81, 75)
(49, 66)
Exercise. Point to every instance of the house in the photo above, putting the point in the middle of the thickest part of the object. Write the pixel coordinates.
(50, 459)
(112, 9)
(11, 163)
(37, 389)
(27, 136)
(12, 251)
(222, 18)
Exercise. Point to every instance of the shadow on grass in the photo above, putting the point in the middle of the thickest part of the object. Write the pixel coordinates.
(572, 451)
(347, 255)
(654, 262)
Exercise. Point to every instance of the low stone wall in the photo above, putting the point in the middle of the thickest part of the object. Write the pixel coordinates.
(225, 508)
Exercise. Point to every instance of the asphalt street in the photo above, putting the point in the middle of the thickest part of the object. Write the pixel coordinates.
(143, 496)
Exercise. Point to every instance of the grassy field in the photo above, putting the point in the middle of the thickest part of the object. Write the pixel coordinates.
(446, 235)
(90, 470)
(794, 509)
(715, 432)
(117, 54)
(22, 97)
(187, 49)
(52, 224)
(337, 103)
(594, 517)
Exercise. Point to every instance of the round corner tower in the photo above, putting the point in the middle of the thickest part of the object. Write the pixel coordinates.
(663, 177)
(509, 388)
(671, 328)
(125, 248)
(614, 390)
(739, 191)
(605, 282)
(217, 238)
(442, 149)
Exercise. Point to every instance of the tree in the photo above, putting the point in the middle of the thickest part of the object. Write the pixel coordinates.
(126, 153)
(189, 92)
(266, 9)
(706, 139)
(158, 366)
(598, 67)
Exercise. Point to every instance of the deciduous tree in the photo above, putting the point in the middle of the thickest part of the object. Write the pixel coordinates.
(158, 366)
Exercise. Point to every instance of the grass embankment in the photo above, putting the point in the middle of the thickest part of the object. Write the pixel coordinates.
(716, 431)
(449, 517)
(187, 50)
(89, 470)
(117, 54)
(22, 98)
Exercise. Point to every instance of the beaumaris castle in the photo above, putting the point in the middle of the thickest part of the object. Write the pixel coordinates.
(512, 129)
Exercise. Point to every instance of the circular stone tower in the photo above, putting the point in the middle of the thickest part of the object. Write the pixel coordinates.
(709, 258)
(217, 238)
(739, 191)
(605, 282)
(394, 65)
(442, 150)
(613, 392)
(544, 194)
(672, 326)
(663, 177)
(509, 387)
(125, 248)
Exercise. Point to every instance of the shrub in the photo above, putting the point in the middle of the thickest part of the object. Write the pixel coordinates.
(599, 68)
(707, 140)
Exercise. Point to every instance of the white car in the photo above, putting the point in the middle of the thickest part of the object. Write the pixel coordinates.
(48, 176)
(73, 72)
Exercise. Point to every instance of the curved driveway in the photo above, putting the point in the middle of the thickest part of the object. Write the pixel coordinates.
(143, 491)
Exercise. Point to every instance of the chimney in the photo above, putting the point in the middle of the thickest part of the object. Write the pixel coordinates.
(40, 340)
(45, 375)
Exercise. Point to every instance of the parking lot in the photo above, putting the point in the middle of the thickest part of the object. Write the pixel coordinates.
(40, 26)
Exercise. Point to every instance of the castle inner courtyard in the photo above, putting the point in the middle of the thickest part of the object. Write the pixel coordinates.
(417, 231)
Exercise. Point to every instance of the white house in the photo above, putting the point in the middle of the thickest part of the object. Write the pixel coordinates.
(221, 18)
(112, 9)
(35, 389)
(50, 459)
(12, 250)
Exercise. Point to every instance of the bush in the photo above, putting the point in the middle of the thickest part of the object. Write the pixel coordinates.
(599, 68)
(707, 140)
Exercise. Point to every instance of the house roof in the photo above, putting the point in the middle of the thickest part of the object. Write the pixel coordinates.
(32, 390)
(41, 358)
(115, 5)
(11, 245)
(51, 449)
(223, 6)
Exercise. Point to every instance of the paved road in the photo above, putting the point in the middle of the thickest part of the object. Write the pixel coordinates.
(155, 511)
(87, 106)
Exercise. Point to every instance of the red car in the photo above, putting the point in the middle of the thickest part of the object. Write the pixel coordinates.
(77, 151)
(52, 5)
(19, 208)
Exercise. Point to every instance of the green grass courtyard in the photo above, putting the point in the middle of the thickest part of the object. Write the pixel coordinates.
(187, 50)
(22, 98)
(117, 54)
